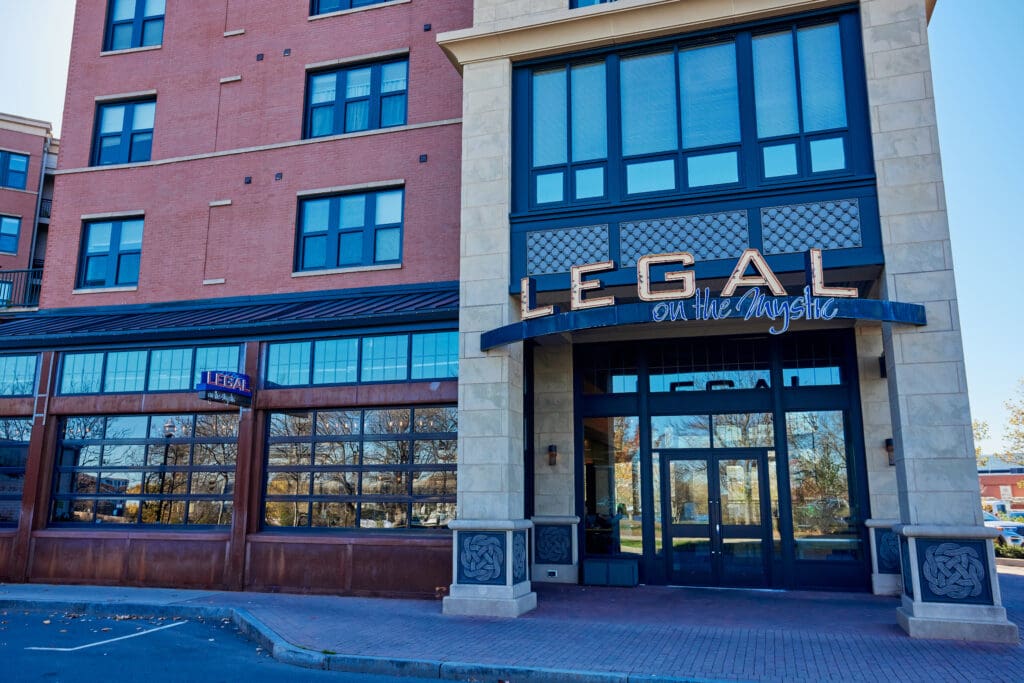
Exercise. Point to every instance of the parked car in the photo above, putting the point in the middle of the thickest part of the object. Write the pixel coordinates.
(1008, 537)
(1008, 529)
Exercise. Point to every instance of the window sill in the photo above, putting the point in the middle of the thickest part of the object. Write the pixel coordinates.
(101, 290)
(129, 50)
(343, 12)
(354, 269)
(8, 253)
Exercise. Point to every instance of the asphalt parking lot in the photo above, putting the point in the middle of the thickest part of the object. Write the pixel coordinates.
(64, 646)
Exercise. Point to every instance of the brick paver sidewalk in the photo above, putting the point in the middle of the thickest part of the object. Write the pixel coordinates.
(683, 632)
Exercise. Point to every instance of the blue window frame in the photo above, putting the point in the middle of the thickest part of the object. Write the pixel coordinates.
(350, 230)
(573, 4)
(110, 255)
(370, 359)
(134, 23)
(720, 111)
(139, 370)
(362, 97)
(13, 170)
(124, 132)
(17, 375)
(325, 6)
(10, 230)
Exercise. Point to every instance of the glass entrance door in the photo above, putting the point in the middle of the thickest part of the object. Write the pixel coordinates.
(717, 517)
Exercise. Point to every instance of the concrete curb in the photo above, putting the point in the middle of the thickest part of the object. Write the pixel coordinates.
(1009, 562)
(287, 653)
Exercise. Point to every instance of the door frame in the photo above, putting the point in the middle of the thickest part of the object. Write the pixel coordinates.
(715, 531)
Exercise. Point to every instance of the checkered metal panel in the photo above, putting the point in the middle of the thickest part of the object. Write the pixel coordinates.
(707, 236)
(555, 251)
(799, 227)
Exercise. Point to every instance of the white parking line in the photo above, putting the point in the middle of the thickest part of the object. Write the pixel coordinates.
(111, 640)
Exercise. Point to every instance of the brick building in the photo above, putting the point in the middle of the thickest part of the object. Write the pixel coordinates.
(652, 291)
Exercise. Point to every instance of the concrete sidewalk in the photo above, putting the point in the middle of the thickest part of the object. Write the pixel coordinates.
(581, 633)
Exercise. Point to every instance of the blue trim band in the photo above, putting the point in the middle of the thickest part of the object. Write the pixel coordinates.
(644, 313)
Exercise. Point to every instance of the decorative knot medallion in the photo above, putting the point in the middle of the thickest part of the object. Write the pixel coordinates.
(519, 557)
(553, 544)
(889, 551)
(953, 571)
(482, 557)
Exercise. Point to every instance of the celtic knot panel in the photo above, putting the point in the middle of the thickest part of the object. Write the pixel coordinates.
(799, 227)
(554, 545)
(482, 558)
(555, 251)
(953, 571)
(518, 556)
(707, 236)
(887, 545)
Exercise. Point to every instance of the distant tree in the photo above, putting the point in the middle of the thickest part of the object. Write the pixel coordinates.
(1014, 435)
(981, 432)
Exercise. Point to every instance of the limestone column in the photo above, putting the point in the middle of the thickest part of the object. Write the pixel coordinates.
(556, 547)
(490, 545)
(950, 587)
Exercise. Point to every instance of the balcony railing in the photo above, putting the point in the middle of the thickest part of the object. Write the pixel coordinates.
(45, 205)
(20, 288)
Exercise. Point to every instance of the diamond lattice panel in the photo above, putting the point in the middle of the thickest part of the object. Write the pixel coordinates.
(799, 227)
(707, 236)
(555, 251)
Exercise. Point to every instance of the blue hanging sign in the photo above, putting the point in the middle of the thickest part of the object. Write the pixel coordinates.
(223, 386)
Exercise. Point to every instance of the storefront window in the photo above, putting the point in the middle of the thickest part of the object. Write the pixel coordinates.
(14, 436)
(390, 468)
(611, 469)
(824, 522)
(699, 365)
(161, 470)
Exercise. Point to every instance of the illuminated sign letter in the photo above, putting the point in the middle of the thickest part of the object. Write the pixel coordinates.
(576, 273)
(818, 287)
(643, 276)
(528, 309)
(765, 277)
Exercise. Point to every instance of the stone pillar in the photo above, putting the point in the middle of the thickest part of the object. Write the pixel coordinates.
(490, 554)
(950, 585)
(877, 418)
(555, 548)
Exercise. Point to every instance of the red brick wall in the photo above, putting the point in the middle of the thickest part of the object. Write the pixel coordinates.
(18, 202)
(251, 242)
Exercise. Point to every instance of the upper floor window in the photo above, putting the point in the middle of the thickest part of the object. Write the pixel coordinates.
(134, 23)
(17, 375)
(111, 251)
(139, 370)
(10, 229)
(356, 98)
(325, 6)
(739, 110)
(124, 132)
(350, 230)
(13, 170)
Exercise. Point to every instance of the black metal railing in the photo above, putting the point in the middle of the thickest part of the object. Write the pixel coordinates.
(20, 288)
(45, 205)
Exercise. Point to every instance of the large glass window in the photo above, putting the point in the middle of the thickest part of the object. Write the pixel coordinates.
(13, 170)
(356, 98)
(669, 120)
(703, 365)
(387, 468)
(160, 470)
(111, 253)
(825, 523)
(612, 495)
(385, 358)
(134, 23)
(124, 132)
(17, 375)
(344, 231)
(10, 231)
(14, 437)
(132, 371)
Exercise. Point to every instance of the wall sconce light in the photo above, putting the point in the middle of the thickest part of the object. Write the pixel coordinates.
(552, 455)
(890, 448)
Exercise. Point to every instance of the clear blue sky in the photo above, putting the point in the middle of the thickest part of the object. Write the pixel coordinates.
(978, 68)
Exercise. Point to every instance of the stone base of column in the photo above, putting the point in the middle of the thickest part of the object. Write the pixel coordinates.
(490, 566)
(555, 550)
(950, 585)
(885, 557)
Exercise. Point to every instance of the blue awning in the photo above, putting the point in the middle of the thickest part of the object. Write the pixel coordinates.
(235, 318)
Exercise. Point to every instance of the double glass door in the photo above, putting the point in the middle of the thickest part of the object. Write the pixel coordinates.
(716, 516)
